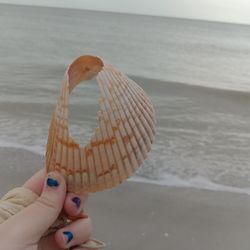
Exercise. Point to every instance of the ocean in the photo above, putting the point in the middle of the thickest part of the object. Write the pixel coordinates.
(195, 72)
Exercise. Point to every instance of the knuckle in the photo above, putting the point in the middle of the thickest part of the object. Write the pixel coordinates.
(88, 229)
(46, 202)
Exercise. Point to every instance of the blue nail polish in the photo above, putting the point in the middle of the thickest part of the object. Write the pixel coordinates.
(68, 235)
(52, 182)
(77, 201)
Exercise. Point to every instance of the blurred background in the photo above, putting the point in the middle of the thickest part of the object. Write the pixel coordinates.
(191, 57)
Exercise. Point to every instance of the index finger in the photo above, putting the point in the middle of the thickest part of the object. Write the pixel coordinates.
(35, 183)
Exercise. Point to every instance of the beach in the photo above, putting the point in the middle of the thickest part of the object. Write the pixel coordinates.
(193, 191)
(196, 76)
(145, 216)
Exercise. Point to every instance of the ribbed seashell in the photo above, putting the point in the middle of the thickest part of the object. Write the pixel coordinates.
(120, 143)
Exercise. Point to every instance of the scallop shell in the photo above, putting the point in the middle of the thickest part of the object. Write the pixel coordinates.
(120, 144)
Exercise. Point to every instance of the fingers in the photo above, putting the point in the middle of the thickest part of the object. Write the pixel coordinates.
(33, 221)
(83, 248)
(51, 201)
(74, 204)
(48, 243)
(35, 183)
(73, 234)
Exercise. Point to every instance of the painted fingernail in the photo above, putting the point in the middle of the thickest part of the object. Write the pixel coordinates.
(52, 182)
(68, 235)
(77, 201)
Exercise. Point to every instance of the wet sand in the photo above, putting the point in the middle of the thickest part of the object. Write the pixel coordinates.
(146, 216)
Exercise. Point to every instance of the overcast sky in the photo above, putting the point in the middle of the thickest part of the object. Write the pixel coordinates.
(237, 11)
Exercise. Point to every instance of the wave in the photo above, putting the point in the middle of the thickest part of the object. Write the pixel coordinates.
(168, 180)
(198, 182)
(39, 150)
(161, 83)
(48, 95)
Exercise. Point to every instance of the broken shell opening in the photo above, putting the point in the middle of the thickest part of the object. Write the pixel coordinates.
(83, 108)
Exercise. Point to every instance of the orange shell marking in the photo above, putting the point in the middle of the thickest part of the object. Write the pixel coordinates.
(120, 144)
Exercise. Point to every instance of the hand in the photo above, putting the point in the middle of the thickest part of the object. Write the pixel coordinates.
(24, 230)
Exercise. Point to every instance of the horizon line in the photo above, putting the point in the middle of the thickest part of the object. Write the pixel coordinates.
(127, 13)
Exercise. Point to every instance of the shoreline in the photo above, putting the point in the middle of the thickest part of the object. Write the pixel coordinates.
(147, 216)
(28, 166)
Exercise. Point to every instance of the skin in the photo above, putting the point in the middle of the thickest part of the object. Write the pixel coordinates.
(24, 230)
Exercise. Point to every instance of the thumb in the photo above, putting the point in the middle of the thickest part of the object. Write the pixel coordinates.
(32, 222)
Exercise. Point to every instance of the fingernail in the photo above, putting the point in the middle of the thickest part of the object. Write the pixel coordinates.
(68, 236)
(52, 182)
(77, 201)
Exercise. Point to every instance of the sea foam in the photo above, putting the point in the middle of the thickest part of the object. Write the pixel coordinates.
(198, 182)
(168, 180)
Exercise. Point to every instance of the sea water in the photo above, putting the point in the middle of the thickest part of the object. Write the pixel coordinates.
(195, 72)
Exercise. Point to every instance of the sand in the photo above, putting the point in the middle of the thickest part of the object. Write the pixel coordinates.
(146, 216)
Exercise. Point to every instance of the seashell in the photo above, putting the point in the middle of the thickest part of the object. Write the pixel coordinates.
(120, 143)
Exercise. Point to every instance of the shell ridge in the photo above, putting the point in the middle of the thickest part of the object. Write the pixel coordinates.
(113, 123)
(55, 144)
(149, 114)
(113, 147)
(85, 175)
(93, 167)
(139, 91)
(131, 128)
(97, 163)
(74, 168)
(86, 148)
(63, 104)
(102, 164)
(137, 121)
(105, 157)
(69, 167)
(104, 92)
(60, 121)
(67, 137)
(134, 129)
(80, 167)
(118, 116)
(50, 142)
(132, 92)
(147, 122)
(147, 104)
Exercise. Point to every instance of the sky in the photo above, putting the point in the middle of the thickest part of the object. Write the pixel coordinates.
(235, 11)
